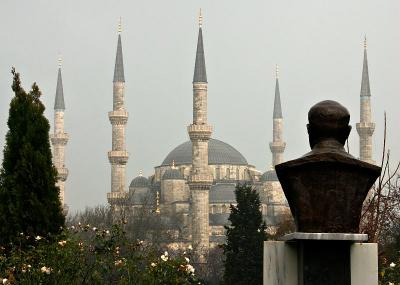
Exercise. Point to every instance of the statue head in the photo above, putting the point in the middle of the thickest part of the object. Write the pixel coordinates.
(328, 121)
(326, 187)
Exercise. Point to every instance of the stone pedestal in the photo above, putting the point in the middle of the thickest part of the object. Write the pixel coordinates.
(320, 258)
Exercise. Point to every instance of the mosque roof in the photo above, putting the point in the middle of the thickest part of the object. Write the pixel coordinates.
(139, 181)
(172, 173)
(223, 193)
(219, 152)
(269, 175)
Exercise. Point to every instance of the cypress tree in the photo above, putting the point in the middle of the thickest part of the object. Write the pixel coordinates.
(29, 198)
(245, 236)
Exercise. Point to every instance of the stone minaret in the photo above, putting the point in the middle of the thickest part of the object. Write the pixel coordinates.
(60, 138)
(277, 145)
(200, 179)
(118, 156)
(365, 127)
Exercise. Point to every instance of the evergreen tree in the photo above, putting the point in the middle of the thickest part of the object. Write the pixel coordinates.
(29, 198)
(245, 236)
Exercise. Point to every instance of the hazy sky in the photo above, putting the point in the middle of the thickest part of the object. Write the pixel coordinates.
(317, 44)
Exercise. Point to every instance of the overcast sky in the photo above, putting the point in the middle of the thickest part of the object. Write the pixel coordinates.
(317, 44)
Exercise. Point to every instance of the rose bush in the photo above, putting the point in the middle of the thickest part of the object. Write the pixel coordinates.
(83, 254)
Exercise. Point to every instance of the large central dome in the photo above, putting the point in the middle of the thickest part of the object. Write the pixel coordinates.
(219, 152)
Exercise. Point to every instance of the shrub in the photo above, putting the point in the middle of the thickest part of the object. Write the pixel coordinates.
(84, 254)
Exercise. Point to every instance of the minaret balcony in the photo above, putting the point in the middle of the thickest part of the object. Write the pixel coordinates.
(199, 85)
(199, 132)
(59, 138)
(119, 117)
(118, 156)
(277, 146)
(62, 173)
(117, 197)
(201, 178)
(365, 128)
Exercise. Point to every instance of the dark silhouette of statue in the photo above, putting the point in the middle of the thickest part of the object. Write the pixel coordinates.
(326, 187)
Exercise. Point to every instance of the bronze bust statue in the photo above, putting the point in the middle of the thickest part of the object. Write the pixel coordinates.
(326, 187)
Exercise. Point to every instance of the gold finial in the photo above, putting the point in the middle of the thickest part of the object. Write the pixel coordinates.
(157, 203)
(200, 19)
(140, 173)
(277, 71)
(120, 25)
(365, 42)
(59, 61)
(173, 163)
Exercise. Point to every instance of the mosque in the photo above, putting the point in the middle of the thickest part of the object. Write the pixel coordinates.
(197, 178)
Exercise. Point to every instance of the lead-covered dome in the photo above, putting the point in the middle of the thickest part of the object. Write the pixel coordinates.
(219, 152)
(269, 175)
(139, 182)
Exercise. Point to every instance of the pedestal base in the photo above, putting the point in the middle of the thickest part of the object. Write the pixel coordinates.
(313, 259)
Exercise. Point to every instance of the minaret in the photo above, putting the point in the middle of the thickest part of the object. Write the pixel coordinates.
(60, 138)
(365, 127)
(200, 178)
(118, 156)
(277, 145)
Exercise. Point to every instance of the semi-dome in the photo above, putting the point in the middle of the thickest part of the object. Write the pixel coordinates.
(269, 175)
(219, 152)
(139, 182)
(172, 174)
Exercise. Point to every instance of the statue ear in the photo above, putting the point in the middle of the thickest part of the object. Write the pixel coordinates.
(344, 135)
(348, 130)
(311, 138)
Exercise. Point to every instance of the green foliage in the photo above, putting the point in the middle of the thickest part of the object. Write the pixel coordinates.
(28, 195)
(86, 255)
(245, 236)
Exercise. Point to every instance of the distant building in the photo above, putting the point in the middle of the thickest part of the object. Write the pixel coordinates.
(196, 179)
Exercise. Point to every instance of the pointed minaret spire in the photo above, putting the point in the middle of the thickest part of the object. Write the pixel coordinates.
(200, 74)
(277, 99)
(365, 88)
(59, 101)
(59, 138)
(365, 127)
(119, 63)
(277, 146)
